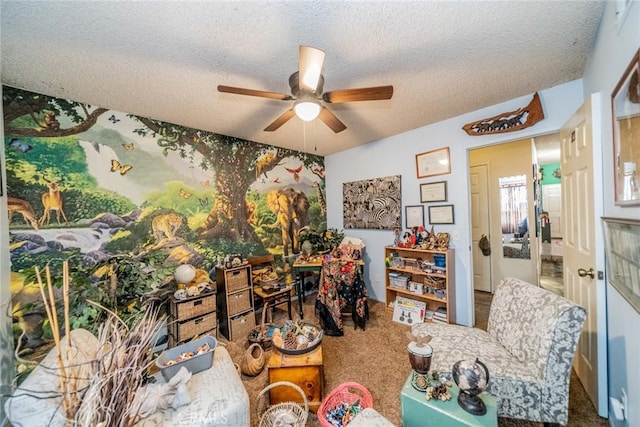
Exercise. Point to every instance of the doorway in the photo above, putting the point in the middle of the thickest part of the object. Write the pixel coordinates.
(547, 149)
(502, 207)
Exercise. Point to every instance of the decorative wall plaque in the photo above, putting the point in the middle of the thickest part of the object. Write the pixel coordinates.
(519, 119)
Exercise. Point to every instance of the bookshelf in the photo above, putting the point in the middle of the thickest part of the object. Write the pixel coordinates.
(423, 275)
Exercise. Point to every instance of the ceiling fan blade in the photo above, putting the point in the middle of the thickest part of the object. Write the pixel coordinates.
(362, 94)
(310, 62)
(280, 121)
(252, 92)
(331, 120)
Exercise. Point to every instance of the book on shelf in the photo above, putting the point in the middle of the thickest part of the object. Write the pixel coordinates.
(440, 315)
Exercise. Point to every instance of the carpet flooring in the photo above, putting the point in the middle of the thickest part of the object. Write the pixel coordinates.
(377, 359)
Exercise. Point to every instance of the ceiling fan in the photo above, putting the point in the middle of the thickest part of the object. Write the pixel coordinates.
(306, 90)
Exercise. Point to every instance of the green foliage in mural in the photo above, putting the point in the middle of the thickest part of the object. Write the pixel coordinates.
(216, 185)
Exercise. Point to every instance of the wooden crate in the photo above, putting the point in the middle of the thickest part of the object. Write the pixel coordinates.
(192, 307)
(305, 370)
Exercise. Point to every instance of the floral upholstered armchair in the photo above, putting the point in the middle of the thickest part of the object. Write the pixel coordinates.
(528, 348)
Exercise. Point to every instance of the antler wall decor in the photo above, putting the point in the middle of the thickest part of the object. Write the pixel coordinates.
(508, 122)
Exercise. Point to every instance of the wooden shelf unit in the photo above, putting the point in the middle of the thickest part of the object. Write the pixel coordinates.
(235, 302)
(416, 274)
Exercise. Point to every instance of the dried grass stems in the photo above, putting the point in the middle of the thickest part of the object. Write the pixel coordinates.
(66, 365)
(123, 360)
(109, 382)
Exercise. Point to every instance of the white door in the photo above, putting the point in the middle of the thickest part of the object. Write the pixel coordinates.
(581, 212)
(552, 203)
(479, 226)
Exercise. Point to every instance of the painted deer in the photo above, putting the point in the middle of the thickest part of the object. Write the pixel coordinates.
(23, 207)
(52, 200)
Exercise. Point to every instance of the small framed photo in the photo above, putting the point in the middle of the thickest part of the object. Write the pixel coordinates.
(433, 192)
(431, 163)
(442, 214)
(414, 216)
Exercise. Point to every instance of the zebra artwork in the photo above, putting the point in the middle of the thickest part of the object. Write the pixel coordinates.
(372, 204)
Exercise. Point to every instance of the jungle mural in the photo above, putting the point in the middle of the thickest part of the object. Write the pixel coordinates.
(128, 197)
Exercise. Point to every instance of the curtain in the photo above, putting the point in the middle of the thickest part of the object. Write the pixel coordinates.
(513, 200)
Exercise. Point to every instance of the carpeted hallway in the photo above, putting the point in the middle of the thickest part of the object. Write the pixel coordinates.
(377, 359)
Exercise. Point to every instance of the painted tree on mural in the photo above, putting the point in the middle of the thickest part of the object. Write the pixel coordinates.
(41, 112)
(237, 164)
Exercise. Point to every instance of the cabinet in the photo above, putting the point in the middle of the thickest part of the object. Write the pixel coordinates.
(191, 317)
(235, 302)
(304, 370)
(423, 275)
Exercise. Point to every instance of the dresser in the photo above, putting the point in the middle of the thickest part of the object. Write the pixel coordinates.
(192, 316)
(235, 302)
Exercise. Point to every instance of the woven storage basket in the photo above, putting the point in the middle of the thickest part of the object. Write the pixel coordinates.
(192, 327)
(241, 326)
(239, 301)
(349, 393)
(285, 414)
(192, 307)
(237, 279)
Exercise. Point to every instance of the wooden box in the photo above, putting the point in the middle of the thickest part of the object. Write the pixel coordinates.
(305, 370)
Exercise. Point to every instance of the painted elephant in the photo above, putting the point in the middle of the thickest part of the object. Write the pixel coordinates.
(291, 208)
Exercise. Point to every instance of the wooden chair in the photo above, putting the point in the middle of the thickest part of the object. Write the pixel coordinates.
(273, 299)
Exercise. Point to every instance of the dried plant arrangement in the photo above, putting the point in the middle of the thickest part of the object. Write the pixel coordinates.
(100, 391)
(121, 367)
(68, 370)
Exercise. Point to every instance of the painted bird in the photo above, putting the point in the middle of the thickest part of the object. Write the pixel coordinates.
(295, 172)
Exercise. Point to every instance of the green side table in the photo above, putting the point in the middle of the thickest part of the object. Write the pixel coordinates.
(417, 411)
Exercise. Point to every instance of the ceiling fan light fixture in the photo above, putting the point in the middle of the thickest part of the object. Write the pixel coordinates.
(307, 109)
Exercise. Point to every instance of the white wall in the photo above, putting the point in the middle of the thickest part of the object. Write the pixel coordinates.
(612, 52)
(396, 156)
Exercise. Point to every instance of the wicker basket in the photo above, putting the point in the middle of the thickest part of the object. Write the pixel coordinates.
(350, 393)
(259, 333)
(237, 279)
(241, 325)
(239, 301)
(192, 327)
(192, 307)
(285, 414)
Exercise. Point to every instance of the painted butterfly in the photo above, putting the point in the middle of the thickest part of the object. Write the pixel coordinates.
(128, 146)
(116, 166)
(184, 194)
(205, 183)
(204, 202)
(113, 119)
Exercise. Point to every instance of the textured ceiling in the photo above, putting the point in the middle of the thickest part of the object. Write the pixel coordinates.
(164, 60)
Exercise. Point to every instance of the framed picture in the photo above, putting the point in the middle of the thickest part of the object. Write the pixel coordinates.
(623, 257)
(414, 216)
(374, 204)
(625, 104)
(431, 163)
(442, 214)
(433, 192)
